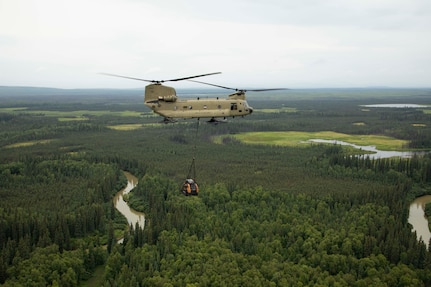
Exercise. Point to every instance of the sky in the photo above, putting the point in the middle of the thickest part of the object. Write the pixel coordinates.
(254, 43)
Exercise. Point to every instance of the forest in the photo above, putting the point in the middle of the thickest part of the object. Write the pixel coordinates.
(266, 215)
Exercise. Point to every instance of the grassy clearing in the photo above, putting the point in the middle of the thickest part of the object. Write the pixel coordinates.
(12, 110)
(26, 144)
(299, 138)
(125, 127)
(280, 110)
(73, 119)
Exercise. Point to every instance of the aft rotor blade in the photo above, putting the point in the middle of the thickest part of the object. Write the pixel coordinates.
(238, 90)
(191, 77)
(213, 85)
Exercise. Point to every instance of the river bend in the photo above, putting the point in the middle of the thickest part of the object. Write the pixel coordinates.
(131, 215)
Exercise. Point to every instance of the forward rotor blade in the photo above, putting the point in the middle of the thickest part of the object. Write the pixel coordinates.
(160, 81)
(138, 79)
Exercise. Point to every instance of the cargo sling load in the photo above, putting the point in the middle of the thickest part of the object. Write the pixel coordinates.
(190, 186)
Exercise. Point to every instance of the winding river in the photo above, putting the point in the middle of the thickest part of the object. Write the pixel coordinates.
(131, 215)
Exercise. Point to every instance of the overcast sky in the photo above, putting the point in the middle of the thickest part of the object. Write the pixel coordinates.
(254, 43)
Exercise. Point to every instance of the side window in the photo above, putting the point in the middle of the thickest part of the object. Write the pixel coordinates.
(233, 106)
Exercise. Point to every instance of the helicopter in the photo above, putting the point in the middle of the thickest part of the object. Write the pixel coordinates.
(164, 101)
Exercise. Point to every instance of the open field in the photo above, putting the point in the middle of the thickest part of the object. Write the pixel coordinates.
(126, 127)
(295, 139)
(278, 110)
(28, 143)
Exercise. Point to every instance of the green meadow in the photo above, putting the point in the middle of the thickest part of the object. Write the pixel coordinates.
(278, 110)
(27, 143)
(294, 139)
(126, 127)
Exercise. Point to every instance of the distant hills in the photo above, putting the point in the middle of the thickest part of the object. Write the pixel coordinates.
(43, 91)
(12, 92)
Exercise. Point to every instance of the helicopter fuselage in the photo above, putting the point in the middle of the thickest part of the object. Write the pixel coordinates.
(164, 101)
(201, 108)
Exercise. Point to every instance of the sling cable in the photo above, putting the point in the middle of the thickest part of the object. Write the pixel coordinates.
(190, 186)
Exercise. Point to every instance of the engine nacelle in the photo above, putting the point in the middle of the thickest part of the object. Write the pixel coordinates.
(171, 98)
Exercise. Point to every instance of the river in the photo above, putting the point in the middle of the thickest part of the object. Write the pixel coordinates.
(418, 220)
(131, 215)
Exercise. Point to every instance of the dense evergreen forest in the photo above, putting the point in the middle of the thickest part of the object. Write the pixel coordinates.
(307, 215)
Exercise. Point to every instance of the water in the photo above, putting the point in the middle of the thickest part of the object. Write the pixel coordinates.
(131, 215)
(397, 106)
(418, 220)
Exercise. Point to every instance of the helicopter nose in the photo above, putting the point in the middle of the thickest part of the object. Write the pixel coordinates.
(250, 109)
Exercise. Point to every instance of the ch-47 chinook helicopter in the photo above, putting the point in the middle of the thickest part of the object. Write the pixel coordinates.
(164, 101)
